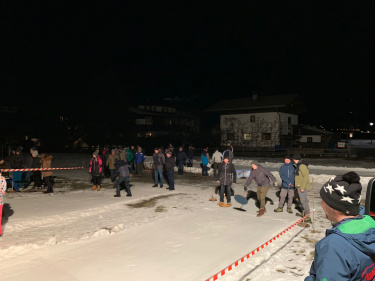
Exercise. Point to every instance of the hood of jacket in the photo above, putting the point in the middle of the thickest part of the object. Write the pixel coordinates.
(358, 231)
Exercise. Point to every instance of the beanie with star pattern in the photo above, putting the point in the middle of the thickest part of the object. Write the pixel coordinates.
(343, 193)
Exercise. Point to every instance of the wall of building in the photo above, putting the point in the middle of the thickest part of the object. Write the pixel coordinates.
(255, 129)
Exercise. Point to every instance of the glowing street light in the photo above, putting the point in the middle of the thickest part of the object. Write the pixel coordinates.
(371, 124)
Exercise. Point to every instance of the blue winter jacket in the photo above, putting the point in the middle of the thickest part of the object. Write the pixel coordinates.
(286, 172)
(346, 253)
(204, 159)
(139, 157)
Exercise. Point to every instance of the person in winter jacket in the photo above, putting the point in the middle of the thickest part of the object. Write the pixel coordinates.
(46, 161)
(37, 175)
(217, 159)
(228, 153)
(3, 188)
(111, 163)
(28, 161)
(262, 177)
(159, 161)
(139, 159)
(286, 173)
(190, 155)
(205, 157)
(132, 164)
(347, 251)
(302, 183)
(17, 162)
(227, 176)
(169, 166)
(122, 169)
(123, 155)
(181, 160)
(130, 156)
(95, 169)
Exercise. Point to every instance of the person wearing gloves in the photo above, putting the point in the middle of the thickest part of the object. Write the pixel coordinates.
(286, 173)
(302, 183)
(227, 176)
(262, 177)
(347, 251)
(122, 169)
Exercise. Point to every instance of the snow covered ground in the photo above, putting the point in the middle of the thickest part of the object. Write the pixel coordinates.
(80, 234)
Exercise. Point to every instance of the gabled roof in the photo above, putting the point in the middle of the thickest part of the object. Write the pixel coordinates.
(291, 102)
(308, 130)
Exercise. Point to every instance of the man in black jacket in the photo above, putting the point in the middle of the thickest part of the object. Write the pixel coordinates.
(122, 168)
(181, 159)
(169, 166)
(226, 176)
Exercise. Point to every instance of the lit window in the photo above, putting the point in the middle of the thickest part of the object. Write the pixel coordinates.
(247, 136)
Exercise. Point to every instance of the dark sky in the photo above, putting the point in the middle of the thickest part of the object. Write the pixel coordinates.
(69, 58)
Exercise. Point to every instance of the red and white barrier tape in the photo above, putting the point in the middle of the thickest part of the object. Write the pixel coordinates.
(38, 169)
(252, 253)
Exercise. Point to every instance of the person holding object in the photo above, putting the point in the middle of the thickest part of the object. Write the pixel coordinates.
(262, 178)
(347, 251)
(286, 173)
(227, 176)
(302, 183)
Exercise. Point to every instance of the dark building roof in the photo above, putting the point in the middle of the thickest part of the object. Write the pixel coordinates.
(258, 103)
(308, 130)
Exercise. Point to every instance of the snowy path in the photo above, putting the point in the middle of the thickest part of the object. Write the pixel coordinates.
(79, 234)
(191, 246)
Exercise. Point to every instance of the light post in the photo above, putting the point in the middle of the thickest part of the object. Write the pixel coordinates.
(371, 124)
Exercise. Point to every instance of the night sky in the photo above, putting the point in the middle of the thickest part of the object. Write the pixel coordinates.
(63, 58)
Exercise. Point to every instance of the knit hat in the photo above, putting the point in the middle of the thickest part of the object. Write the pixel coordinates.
(95, 153)
(35, 153)
(156, 148)
(255, 162)
(288, 157)
(19, 149)
(297, 157)
(343, 193)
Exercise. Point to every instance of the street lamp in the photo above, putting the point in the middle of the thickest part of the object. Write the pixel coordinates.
(371, 124)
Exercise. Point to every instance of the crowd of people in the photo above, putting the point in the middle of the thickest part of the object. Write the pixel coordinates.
(349, 246)
(21, 180)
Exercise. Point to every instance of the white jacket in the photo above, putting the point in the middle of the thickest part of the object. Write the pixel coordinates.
(217, 157)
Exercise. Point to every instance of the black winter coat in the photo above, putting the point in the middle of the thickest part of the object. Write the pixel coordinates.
(227, 174)
(169, 163)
